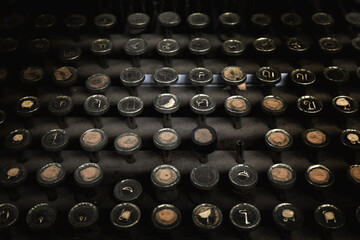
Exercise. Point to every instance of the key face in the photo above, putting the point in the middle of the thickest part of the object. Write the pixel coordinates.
(138, 20)
(297, 44)
(168, 47)
(309, 105)
(198, 20)
(105, 21)
(302, 77)
(288, 217)
(125, 215)
(345, 105)
(96, 105)
(245, 216)
(207, 216)
(83, 215)
(8, 215)
(41, 216)
(322, 19)
(329, 216)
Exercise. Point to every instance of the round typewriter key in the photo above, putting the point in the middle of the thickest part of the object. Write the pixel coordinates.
(45, 22)
(96, 105)
(264, 45)
(166, 103)
(166, 217)
(329, 217)
(203, 105)
(165, 77)
(41, 217)
(54, 141)
(199, 47)
(18, 141)
(131, 78)
(298, 45)
(288, 217)
(168, 48)
(353, 18)
(128, 190)
(346, 107)
(75, 23)
(350, 138)
(330, 45)
(93, 141)
(278, 140)
(309, 106)
(319, 176)
(104, 22)
(233, 76)
(260, 20)
(138, 20)
(50, 176)
(83, 215)
(60, 106)
(207, 216)
(166, 139)
(204, 139)
(273, 106)
(128, 144)
(11, 177)
(200, 77)
(165, 178)
(233, 48)
(27, 107)
(102, 48)
(70, 55)
(322, 19)
(65, 76)
(291, 19)
(238, 107)
(88, 175)
(336, 75)
(229, 20)
(315, 140)
(243, 178)
(32, 75)
(9, 214)
(245, 217)
(168, 20)
(98, 83)
(125, 216)
(281, 176)
(39, 46)
(268, 76)
(130, 107)
(8, 45)
(302, 77)
(198, 20)
(204, 177)
(135, 47)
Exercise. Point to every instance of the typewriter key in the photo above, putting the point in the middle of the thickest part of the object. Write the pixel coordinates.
(39, 46)
(281, 176)
(167, 21)
(166, 217)
(18, 141)
(32, 75)
(88, 176)
(288, 218)
(128, 144)
(41, 217)
(165, 179)
(199, 47)
(237, 107)
(97, 105)
(264, 45)
(322, 19)
(278, 140)
(138, 21)
(302, 77)
(55, 141)
(135, 47)
(60, 106)
(104, 23)
(298, 45)
(268, 76)
(130, 107)
(292, 20)
(8, 218)
(102, 48)
(350, 138)
(128, 190)
(330, 45)
(166, 103)
(200, 77)
(233, 76)
(131, 78)
(75, 23)
(329, 217)
(26, 108)
(45, 22)
(207, 217)
(93, 141)
(50, 176)
(243, 178)
(11, 177)
(273, 106)
(353, 18)
(346, 107)
(2, 117)
(65, 76)
(315, 140)
(70, 55)
(125, 216)
(98, 83)
(336, 75)
(165, 77)
(166, 139)
(319, 177)
(233, 48)
(203, 105)
(309, 106)
(245, 217)
(168, 48)
(198, 21)
(204, 177)
(261, 21)
(83, 215)
(229, 20)
(204, 139)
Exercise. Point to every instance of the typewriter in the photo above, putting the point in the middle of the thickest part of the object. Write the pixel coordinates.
(179, 119)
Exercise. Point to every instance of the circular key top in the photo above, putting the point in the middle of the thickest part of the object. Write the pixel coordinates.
(336, 75)
(319, 176)
(281, 176)
(288, 217)
(32, 75)
(93, 141)
(166, 217)
(138, 20)
(245, 217)
(98, 83)
(9, 217)
(198, 20)
(165, 77)
(41, 217)
(207, 216)
(204, 177)
(70, 55)
(88, 175)
(128, 190)
(329, 217)
(125, 216)
(83, 215)
(243, 178)
(128, 144)
(45, 22)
